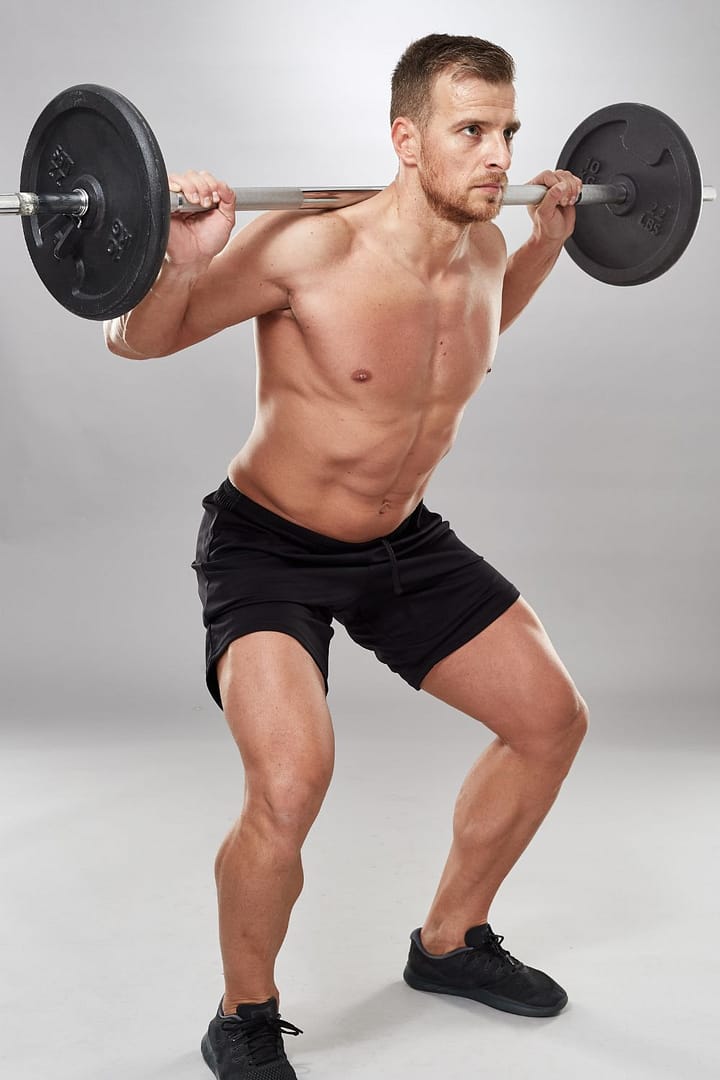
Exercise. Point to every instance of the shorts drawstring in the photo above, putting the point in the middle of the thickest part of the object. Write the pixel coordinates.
(397, 587)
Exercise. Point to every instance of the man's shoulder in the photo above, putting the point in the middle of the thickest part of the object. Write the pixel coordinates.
(310, 237)
(489, 248)
(488, 239)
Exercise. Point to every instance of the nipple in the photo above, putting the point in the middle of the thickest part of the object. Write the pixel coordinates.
(361, 375)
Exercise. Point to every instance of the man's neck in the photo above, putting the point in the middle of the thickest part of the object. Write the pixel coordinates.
(431, 244)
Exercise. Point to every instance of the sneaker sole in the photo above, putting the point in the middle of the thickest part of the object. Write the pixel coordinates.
(207, 1053)
(484, 996)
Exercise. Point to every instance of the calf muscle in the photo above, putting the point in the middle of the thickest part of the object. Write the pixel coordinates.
(274, 702)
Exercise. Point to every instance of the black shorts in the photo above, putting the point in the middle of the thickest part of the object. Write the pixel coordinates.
(412, 597)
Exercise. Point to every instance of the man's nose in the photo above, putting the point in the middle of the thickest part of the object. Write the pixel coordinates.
(497, 154)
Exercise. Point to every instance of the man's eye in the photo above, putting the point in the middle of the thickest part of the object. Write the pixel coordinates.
(509, 134)
(473, 129)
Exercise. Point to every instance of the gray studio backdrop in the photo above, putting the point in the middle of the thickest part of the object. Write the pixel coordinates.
(586, 468)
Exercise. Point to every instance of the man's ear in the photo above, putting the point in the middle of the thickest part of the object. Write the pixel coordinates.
(406, 139)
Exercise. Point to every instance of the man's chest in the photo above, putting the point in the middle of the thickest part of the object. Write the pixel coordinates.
(382, 336)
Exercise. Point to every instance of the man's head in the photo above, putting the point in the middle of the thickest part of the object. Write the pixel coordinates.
(453, 117)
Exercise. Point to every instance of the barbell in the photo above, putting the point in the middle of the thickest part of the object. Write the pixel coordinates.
(96, 207)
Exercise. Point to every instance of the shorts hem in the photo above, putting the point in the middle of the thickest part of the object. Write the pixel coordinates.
(467, 632)
(227, 640)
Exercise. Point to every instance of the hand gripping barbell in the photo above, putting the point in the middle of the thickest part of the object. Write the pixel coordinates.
(96, 207)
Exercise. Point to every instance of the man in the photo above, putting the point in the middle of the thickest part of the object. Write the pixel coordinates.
(375, 325)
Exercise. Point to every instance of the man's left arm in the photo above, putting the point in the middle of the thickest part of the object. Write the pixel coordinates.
(553, 221)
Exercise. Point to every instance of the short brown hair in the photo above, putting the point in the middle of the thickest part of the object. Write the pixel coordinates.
(425, 59)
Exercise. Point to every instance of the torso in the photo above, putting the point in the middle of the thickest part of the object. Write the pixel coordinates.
(363, 381)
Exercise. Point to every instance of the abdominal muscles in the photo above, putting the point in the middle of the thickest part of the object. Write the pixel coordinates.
(340, 473)
(348, 432)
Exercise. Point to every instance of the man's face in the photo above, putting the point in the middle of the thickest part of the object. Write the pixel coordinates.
(466, 147)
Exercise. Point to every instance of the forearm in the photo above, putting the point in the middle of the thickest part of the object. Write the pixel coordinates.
(526, 270)
(153, 327)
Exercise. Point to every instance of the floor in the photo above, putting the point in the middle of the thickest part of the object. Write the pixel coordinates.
(111, 968)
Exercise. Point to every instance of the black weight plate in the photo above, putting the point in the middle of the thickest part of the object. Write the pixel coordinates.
(633, 243)
(93, 138)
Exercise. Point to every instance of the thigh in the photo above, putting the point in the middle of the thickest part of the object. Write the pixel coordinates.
(274, 701)
(510, 678)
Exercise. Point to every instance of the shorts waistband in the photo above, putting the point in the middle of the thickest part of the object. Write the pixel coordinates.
(231, 498)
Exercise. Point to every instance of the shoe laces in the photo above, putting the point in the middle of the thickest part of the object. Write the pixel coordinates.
(493, 944)
(262, 1036)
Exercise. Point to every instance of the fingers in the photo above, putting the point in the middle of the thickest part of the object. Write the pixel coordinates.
(563, 187)
(202, 188)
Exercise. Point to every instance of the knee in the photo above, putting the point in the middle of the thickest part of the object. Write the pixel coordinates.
(285, 806)
(556, 734)
(579, 721)
(570, 726)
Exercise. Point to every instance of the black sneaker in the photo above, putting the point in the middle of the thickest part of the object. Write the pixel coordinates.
(248, 1045)
(484, 972)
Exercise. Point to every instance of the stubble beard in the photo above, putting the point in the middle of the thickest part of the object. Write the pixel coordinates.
(454, 208)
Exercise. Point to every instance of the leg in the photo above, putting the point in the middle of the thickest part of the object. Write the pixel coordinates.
(274, 700)
(511, 679)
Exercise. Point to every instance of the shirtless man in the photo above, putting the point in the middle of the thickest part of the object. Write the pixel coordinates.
(375, 325)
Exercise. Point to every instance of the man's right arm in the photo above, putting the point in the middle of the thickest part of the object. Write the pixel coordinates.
(151, 328)
(206, 284)
(192, 301)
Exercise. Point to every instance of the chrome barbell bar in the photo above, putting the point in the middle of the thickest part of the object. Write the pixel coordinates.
(76, 203)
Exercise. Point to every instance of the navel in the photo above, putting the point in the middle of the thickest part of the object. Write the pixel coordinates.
(361, 375)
